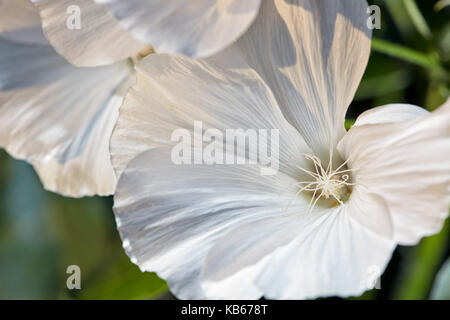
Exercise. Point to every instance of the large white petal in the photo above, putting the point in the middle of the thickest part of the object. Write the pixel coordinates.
(197, 28)
(172, 92)
(59, 117)
(17, 14)
(325, 253)
(312, 53)
(221, 231)
(390, 113)
(406, 163)
(20, 21)
(337, 258)
(170, 216)
(99, 41)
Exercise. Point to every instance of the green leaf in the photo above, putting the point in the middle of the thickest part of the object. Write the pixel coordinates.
(428, 61)
(444, 42)
(417, 19)
(441, 287)
(87, 237)
(384, 84)
(414, 283)
(120, 279)
(401, 20)
(82, 228)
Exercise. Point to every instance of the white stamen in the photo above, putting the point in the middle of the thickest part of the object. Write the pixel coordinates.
(327, 183)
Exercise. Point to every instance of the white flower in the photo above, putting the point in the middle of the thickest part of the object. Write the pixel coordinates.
(197, 28)
(52, 114)
(318, 227)
(98, 41)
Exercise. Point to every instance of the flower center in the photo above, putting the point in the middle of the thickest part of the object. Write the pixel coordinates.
(326, 183)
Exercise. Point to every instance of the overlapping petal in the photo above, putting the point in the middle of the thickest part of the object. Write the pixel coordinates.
(226, 232)
(173, 92)
(326, 253)
(20, 22)
(401, 153)
(197, 28)
(98, 41)
(59, 117)
(312, 54)
(170, 216)
(17, 14)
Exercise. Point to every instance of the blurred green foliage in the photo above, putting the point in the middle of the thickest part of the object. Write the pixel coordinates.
(41, 234)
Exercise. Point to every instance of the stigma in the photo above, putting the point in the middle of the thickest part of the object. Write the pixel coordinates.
(326, 182)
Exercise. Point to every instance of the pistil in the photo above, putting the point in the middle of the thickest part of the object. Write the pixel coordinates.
(326, 183)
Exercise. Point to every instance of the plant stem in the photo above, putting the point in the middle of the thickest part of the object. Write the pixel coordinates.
(417, 19)
(428, 61)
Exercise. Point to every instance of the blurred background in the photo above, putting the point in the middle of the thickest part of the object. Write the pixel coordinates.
(41, 233)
